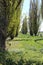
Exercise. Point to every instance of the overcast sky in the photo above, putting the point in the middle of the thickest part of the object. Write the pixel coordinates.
(25, 10)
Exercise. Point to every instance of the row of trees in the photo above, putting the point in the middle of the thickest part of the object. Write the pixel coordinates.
(34, 18)
(10, 11)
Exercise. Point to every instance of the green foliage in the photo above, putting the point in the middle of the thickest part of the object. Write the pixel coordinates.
(17, 59)
(9, 20)
(9, 16)
(10, 62)
(24, 26)
(24, 52)
(14, 20)
(2, 56)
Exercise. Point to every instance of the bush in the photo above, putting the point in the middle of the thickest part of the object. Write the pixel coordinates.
(19, 60)
(9, 61)
(2, 55)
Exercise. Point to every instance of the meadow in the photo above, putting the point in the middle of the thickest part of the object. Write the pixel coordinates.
(25, 50)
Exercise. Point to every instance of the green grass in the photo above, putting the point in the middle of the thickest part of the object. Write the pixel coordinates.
(26, 47)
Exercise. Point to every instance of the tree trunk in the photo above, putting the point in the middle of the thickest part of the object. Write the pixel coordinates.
(31, 33)
(35, 34)
(2, 49)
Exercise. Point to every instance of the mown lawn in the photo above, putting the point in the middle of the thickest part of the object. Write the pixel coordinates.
(27, 47)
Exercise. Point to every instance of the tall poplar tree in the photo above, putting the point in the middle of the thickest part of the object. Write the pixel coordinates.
(7, 12)
(34, 17)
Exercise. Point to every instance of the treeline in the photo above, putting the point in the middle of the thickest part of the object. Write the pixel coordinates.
(34, 17)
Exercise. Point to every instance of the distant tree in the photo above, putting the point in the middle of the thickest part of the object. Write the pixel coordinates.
(30, 19)
(24, 26)
(34, 18)
(42, 8)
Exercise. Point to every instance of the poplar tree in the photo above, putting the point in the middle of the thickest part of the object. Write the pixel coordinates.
(34, 18)
(24, 26)
(7, 17)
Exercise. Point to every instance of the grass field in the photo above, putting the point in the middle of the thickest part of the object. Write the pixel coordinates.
(26, 47)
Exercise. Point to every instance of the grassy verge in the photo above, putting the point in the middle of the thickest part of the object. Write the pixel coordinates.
(25, 48)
